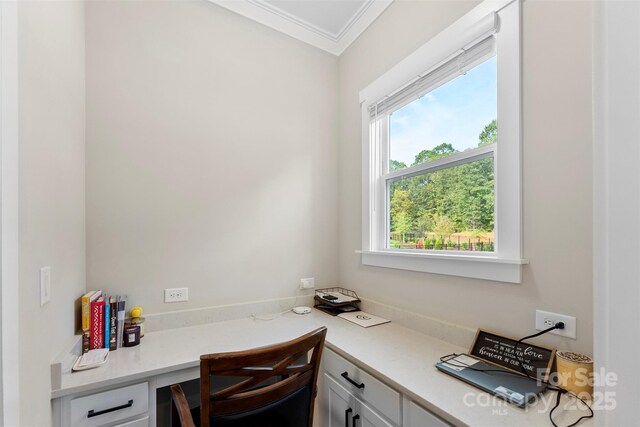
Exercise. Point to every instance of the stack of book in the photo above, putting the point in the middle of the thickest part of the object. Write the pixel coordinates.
(102, 321)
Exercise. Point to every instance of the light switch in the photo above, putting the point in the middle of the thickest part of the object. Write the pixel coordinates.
(45, 285)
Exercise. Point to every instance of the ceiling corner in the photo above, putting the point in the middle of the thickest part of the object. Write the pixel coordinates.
(328, 25)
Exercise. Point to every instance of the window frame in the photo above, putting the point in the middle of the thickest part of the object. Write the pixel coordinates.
(504, 264)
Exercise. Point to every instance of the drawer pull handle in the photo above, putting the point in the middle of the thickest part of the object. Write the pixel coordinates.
(355, 418)
(345, 375)
(346, 417)
(93, 413)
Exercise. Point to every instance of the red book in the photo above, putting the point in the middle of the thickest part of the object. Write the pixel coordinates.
(96, 331)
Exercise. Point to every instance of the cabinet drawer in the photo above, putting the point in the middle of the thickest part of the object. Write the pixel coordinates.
(140, 422)
(109, 406)
(344, 409)
(386, 400)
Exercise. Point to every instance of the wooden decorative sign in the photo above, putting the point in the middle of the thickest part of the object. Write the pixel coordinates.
(501, 351)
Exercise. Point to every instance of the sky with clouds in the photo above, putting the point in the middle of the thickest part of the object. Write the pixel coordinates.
(455, 113)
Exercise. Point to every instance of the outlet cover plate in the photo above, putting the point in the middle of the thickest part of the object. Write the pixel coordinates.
(308, 283)
(546, 319)
(176, 295)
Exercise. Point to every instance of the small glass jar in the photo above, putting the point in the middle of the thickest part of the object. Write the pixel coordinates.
(131, 336)
(138, 321)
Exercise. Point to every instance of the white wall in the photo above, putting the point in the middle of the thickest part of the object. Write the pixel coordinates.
(211, 156)
(557, 173)
(51, 190)
(225, 157)
(617, 205)
(9, 213)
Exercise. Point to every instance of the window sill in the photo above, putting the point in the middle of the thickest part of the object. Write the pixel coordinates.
(487, 267)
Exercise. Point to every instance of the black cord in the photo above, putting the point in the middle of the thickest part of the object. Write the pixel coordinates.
(515, 348)
(550, 386)
(562, 391)
(559, 390)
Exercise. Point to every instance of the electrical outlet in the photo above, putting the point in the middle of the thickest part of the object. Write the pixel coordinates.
(45, 285)
(546, 319)
(308, 283)
(176, 294)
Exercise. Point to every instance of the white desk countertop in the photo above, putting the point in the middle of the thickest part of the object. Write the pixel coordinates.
(399, 356)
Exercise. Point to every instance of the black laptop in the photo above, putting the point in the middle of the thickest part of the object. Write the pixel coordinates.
(509, 385)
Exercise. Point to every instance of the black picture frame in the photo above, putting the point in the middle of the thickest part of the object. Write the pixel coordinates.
(499, 350)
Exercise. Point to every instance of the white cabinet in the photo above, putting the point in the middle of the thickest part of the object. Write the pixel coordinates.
(352, 397)
(140, 422)
(344, 409)
(123, 406)
(416, 416)
(363, 385)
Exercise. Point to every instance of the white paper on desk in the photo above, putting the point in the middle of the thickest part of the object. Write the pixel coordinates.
(461, 361)
(91, 359)
(340, 297)
(363, 319)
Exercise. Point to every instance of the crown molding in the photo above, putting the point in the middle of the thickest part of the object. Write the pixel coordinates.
(273, 17)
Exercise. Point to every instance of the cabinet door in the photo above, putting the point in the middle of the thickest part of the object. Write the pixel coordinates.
(345, 410)
(416, 416)
(339, 404)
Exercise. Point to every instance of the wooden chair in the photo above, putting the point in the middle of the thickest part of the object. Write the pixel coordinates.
(274, 388)
(180, 413)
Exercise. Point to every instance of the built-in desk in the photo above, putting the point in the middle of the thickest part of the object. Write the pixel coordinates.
(400, 357)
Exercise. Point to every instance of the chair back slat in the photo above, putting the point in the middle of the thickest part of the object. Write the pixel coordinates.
(254, 399)
(262, 371)
(259, 356)
(271, 374)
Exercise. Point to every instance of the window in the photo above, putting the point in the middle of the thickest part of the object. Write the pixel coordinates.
(441, 153)
(440, 179)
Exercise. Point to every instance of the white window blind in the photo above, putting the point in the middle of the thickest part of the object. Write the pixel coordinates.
(477, 45)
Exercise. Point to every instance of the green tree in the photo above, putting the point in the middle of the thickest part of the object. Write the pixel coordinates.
(394, 165)
(438, 152)
(477, 195)
(446, 201)
(443, 226)
(424, 223)
(489, 134)
(402, 224)
(401, 202)
(402, 209)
